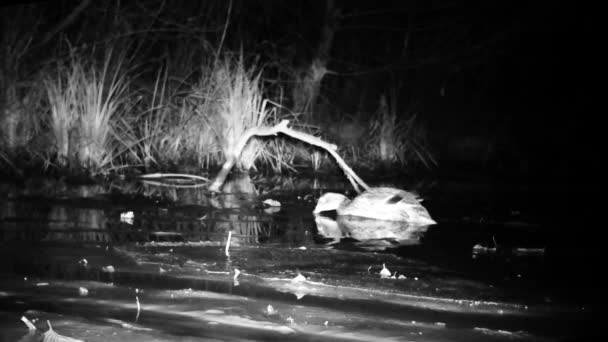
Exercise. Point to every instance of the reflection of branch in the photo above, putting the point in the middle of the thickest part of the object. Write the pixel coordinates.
(282, 128)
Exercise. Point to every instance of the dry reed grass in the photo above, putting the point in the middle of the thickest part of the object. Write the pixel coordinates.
(83, 101)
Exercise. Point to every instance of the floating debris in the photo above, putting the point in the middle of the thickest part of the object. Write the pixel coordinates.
(83, 291)
(138, 308)
(481, 250)
(298, 278)
(127, 217)
(521, 251)
(30, 326)
(108, 269)
(228, 243)
(236, 274)
(385, 273)
(270, 311)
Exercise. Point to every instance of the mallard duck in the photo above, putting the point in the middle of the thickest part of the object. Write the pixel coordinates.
(388, 204)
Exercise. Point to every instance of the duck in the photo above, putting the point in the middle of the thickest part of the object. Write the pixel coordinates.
(381, 203)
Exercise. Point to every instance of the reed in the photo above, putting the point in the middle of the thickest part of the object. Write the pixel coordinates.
(83, 101)
(229, 98)
(61, 90)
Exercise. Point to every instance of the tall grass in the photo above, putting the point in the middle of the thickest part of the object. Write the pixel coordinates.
(83, 100)
(229, 98)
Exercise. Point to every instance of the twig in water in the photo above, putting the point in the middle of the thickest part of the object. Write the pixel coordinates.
(172, 175)
(138, 308)
(228, 243)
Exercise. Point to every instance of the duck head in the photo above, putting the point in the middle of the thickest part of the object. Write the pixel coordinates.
(330, 201)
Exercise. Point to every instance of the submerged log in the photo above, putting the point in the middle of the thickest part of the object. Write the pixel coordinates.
(282, 128)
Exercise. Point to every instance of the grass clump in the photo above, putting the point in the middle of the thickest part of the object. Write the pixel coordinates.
(84, 99)
(229, 100)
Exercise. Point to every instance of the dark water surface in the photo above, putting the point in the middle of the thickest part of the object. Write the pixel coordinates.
(501, 265)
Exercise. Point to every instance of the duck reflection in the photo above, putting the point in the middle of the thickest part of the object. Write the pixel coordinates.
(369, 232)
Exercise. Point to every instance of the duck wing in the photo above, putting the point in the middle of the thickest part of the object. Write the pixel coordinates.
(388, 204)
(387, 196)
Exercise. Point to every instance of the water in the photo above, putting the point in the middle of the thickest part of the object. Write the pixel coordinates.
(491, 270)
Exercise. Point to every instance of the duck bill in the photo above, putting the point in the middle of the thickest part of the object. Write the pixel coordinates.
(427, 221)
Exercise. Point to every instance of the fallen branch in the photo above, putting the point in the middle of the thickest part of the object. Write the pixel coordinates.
(173, 175)
(282, 128)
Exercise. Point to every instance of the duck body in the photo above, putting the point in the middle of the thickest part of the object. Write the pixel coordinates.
(387, 204)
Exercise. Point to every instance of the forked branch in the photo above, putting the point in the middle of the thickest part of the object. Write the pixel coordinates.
(282, 128)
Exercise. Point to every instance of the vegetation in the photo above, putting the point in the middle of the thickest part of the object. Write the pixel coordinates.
(113, 86)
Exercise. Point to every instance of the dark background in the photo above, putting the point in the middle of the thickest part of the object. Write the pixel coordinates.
(515, 76)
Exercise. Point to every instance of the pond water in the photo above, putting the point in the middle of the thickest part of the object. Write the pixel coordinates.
(144, 261)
